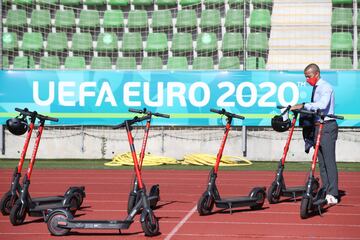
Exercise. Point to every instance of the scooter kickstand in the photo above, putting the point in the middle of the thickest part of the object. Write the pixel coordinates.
(294, 196)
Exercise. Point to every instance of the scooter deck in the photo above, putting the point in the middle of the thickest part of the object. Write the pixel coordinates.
(47, 200)
(95, 224)
(235, 202)
(290, 191)
(38, 210)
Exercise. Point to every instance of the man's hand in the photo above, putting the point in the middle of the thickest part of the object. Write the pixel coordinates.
(297, 106)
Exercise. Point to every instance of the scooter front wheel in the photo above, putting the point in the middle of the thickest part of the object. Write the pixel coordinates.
(272, 195)
(6, 203)
(18, 213)
(53, 224)
(155, 195)
(305, 207)
(260, 196)
(205, 204)
(149, 223)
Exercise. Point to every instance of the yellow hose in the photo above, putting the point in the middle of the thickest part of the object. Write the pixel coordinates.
(209, 160)
(125, 159)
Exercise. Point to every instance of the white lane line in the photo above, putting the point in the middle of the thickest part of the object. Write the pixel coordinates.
(182, 222)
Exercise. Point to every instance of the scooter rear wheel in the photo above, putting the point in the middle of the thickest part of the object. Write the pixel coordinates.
(272, 196)
(150, 223)
(305, 207)
(53, 226)
(154, 192)
(6, 204)
(260, 196)
(205, 204)
(18, 213)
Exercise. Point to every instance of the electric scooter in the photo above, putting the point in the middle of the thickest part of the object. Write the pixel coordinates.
(17, 201)
(211, 196)
(278, 187)
(154, 193)
(61, 221)
(313, 201)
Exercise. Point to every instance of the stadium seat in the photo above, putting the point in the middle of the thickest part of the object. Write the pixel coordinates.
(5, 62)
(57, 42)
(40, 19)
(260, 18)
(182, 43)
(137, 20)
(341, 41)
(358, 43)
(341, 63)
(210, 20)
(119, 3)
(186, 19)
(107, 43)
(232, 43)
(358, 20)
(89, 19)
(52, 62)
(161, 20)
(177, 63)
(132, 42)
(236, 3)
(255, 63)
(341, 2)
(185, 3)
(65, 19)
(234, 20)
(100, 63)
(75, 63)
(257, 42)
(142, 3)
(206, 43)
(213, 3)
(203, 63)
(113, 19)
(95, 3)
(156, 43)
(23, 62)
(46, 2)
(22, 2)
(10, 42)
(341, 17)
(70, 2)
(32, 42)
(358, 64)
(166, 3)
(126, 63)
(262, 3)
(151, 63)
(229, 63)
(82, 42)
(16, 18)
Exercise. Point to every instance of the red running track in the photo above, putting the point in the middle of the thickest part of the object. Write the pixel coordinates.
(107, 193)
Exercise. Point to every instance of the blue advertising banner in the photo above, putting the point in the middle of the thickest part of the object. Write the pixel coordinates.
(104, 97)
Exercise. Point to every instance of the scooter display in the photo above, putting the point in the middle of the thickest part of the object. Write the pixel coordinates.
(211, 196)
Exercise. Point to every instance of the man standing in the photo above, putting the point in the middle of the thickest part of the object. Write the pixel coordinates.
(323, 98)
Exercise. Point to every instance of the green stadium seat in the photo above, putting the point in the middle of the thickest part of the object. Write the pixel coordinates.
(341, 17)
(213, 3)
(156, 43)
(40, 19)
(232, 42)
(162, 20)
(358, 43)
(10, 42)
(82, 42)
(113, 19)
(262, 3)
(182, 43)
(234, 19)
(229, 63)
(260, 18)
(341, 41)
(32, 42)
(75, 63)
(23, 62)
(137, 19)
(142, 3)
(46, 2)
(177, 63)
(132, 42)
(126, 63)
(236, 3)
(57, 42)
(166, 3)
(119, 3)
(186, 19)
(206, 43)
(358, 64)
(185, 3)
(255, 63)
(200, 63)
(341, 63)
(151, 63)
(257, 42)
(5, 62)
(210, 19)
(22, 2)
(95, 3)
(52, 62)
(89, 19)
(100, 63)
(107, 42)
(65, 19)
(358, 19)
(16, 18)
(341, 2)
(70, 2)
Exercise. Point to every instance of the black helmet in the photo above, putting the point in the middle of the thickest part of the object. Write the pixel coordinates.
(279, 124)
(17, 126)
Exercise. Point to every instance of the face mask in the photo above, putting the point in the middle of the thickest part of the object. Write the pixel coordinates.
(312, 81)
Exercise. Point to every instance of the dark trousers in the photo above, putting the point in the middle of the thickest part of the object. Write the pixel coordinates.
(327, 157)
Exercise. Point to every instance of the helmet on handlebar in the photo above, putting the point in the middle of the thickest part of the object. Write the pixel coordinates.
(17, 126)
(279, 124)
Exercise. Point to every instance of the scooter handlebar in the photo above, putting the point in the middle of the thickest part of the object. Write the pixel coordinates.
(335, 116)
(144, 111)
(228, 114)
(161, 115)
(137, 110)
(26, 112)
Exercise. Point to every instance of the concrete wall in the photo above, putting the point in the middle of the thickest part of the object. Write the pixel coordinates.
(263, 144)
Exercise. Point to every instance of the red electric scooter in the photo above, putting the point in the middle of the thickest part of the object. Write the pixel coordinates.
(211, 196)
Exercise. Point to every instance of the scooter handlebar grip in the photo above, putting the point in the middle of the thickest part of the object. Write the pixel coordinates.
(118, 126)
(217, 111)
(137, 110)
(307, 112)
(238, 116)
(161, 115)
(335, 116)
